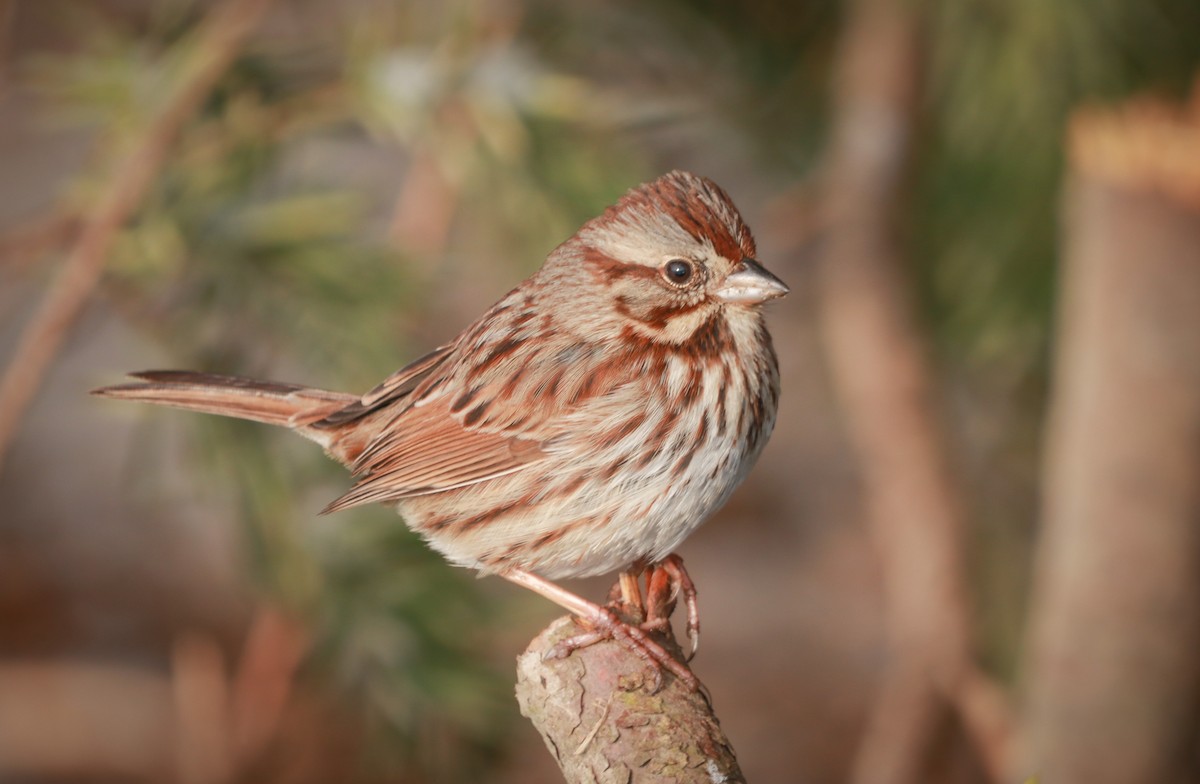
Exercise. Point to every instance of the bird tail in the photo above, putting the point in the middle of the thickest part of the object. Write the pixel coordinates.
(286, 405)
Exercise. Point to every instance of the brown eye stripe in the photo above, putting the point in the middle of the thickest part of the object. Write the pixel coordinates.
(656, 318)
(610, 269)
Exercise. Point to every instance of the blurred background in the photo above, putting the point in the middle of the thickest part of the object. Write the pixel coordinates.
(989, 216)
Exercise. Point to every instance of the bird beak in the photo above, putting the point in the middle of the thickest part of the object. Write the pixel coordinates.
(750, 284)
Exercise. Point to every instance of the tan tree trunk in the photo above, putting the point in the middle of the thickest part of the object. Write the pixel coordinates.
(1114, 658)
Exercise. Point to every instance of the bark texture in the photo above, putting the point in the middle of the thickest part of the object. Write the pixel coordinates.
(603, 725)
(1112, 673)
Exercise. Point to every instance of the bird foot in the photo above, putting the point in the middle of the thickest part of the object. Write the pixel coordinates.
(667, 582)
(605, 624)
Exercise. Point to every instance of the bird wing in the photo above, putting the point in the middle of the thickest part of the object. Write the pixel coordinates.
(427, 450)
(458, 426)
(395, 387)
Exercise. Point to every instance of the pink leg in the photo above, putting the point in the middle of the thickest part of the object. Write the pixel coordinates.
(606, 624)
(631, 593)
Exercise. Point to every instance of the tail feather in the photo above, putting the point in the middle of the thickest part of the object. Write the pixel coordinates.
(286, 405)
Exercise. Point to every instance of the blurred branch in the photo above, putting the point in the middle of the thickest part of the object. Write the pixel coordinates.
(22, 246)
(602, 725)
(225, 722)
(425, 208)
(218, 41)
(200, 688)
(1111, 668)
(263, 683)
(880, 370)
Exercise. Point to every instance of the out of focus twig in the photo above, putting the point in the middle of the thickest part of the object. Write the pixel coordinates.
(217, 43)
(23, 246)
(264, 680)
(225, 722)
(200, 688)
(425, 207)
(882, 375)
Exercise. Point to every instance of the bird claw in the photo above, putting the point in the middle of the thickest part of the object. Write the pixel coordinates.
(607, 626)
(565, 647)
(668, 581)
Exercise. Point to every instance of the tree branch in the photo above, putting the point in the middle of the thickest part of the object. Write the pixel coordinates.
(603, 726)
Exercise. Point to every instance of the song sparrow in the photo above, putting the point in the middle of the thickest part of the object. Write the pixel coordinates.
(586, 424)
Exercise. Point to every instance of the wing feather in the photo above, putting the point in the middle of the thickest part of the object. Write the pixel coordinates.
(395, 387)
(428, 450)
(445, 423)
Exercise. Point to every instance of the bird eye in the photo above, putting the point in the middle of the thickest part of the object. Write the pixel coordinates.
(678, 271)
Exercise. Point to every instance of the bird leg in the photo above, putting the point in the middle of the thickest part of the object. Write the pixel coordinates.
(605, 625)
(631, 593)
(669, 580)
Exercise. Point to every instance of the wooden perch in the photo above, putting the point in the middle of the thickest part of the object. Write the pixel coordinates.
(599, 719)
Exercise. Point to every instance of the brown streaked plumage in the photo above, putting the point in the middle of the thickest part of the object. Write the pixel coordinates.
(586, 424)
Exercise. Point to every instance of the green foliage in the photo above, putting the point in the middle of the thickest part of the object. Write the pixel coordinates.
(530, 146)
(1003, 78)
(411, 639)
